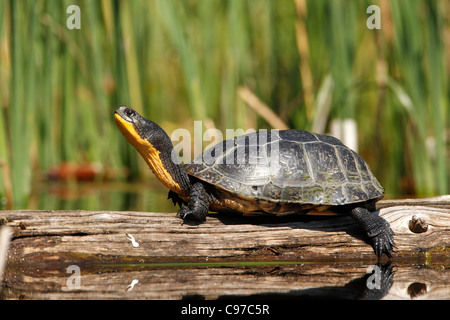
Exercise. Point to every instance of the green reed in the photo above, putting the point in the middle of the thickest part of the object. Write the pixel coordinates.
(179, 61)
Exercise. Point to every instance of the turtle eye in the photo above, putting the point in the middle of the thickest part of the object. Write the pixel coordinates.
(130, 112)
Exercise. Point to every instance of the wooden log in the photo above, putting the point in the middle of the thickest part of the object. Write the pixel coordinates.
(233, 251)
(162, 235)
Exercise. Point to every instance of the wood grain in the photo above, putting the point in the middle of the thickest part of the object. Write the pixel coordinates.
(226, 256)
(165, 236)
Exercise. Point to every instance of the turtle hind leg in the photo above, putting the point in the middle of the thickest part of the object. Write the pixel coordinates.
(378, 230)
(198, 206)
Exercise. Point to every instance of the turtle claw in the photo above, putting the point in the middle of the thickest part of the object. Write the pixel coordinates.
(384, 243)
(187, 213)
(197, 209)
(377, 229)
(184, 212)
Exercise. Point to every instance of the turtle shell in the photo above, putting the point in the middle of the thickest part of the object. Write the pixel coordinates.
(289, 166)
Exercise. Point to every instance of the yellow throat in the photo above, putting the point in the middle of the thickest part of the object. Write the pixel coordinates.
(150, 154)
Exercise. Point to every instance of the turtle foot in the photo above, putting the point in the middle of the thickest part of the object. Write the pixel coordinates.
(197, 209)
(384, 242)
(187, 213)
(378, 230)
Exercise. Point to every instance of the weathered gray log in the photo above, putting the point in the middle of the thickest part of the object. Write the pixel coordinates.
(163, 235)
(44, 243)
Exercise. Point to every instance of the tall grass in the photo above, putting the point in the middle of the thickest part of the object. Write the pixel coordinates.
(179, 61)
(424, 91)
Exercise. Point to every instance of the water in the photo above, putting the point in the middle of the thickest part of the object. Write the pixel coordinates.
(264, 280)
(111, 196)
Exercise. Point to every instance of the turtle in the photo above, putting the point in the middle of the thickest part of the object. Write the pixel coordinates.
(266, 172)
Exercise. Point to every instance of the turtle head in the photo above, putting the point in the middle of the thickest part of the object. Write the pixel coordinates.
(155, 146)
(143, 134)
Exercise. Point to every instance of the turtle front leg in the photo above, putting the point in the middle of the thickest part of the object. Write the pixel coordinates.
(378, 230)
(198, 206)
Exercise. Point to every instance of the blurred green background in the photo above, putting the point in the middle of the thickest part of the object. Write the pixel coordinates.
(314, 63)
